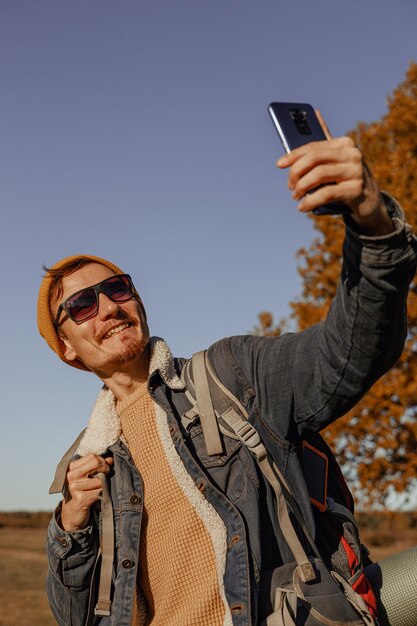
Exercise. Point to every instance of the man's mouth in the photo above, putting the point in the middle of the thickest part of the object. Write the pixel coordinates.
(116, 329)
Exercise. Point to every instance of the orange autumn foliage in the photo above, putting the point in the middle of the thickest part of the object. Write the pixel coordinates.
(376, 442)
(267, 326)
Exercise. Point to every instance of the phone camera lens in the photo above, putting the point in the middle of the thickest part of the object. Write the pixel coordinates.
(300, 120)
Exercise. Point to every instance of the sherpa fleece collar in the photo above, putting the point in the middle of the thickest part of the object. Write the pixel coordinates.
(104, 427)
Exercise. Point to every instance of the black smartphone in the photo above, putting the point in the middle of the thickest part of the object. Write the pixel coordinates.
(298, 124)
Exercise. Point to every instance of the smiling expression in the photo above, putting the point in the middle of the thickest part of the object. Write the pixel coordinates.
(117, 335)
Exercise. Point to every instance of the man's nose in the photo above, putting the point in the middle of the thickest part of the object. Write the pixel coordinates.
(106, 306)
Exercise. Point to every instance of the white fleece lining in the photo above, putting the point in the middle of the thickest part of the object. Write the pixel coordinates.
(104, 428)
(206, 512)
(163, 361)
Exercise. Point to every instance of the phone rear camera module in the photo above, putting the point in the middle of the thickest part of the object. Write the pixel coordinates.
(299, 118)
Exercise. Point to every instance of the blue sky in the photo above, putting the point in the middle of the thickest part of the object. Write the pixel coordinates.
(138, 131)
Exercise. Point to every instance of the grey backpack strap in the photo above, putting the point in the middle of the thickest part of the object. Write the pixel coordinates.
(247, 434)
(58, 483)
(107, 550)
(189, 417)
(206, 412)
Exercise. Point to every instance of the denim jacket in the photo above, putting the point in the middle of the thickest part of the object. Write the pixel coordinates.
(292, 386)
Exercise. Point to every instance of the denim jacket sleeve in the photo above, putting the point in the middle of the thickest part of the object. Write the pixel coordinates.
(304, 381)
(71, 557)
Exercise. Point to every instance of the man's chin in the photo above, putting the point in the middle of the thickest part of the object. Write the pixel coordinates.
(128, 351)
(132, 350)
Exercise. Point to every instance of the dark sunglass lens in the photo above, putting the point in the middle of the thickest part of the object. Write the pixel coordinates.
(118, 289)
(82, 305)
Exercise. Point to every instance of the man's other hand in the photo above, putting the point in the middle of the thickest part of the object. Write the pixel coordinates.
(321, 172)
(83, 490)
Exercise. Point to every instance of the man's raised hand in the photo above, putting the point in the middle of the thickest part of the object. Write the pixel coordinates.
(83, 489)
(321, 172)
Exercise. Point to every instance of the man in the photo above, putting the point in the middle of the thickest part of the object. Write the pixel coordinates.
(194, 537)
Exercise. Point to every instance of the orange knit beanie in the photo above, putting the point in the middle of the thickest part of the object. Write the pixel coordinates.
(45, 319)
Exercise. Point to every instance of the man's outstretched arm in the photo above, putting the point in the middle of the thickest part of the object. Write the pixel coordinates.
(303, 381)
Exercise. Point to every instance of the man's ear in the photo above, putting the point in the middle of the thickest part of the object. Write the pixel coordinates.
(67, 348)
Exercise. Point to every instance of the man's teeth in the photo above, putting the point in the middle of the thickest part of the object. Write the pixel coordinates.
(116, 329)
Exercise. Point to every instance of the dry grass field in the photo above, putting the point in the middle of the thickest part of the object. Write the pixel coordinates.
(22, 576)
(23, 562)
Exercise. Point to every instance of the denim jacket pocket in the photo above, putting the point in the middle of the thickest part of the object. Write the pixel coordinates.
(198, 445)
(233, 471)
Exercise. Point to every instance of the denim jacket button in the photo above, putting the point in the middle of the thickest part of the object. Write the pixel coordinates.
(135, 499)
(127, 563)
(234, 540)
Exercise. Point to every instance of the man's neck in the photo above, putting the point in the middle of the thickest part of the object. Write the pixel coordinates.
(128, 376)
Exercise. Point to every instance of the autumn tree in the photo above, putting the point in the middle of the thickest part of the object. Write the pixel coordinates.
(266, 325)
(377, 441)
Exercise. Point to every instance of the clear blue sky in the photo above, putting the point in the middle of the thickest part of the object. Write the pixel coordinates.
(138, 131)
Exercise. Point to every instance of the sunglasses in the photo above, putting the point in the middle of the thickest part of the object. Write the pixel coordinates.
(83, 304)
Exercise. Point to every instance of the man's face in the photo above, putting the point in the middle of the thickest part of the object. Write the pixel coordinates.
(108, 341)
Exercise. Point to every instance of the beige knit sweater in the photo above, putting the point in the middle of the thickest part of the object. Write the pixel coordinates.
(177, 580)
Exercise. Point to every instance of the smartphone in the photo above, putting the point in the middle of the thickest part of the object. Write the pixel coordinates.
(298, 124)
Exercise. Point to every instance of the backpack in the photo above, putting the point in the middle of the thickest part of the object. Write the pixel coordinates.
(329, 588)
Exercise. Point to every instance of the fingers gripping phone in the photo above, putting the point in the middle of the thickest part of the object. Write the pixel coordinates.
(298, 124)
